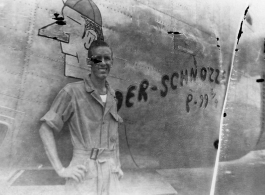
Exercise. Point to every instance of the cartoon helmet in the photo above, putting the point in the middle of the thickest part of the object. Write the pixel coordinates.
(90, 12)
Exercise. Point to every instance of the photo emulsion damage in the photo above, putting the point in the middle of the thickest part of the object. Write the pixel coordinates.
(132, 97)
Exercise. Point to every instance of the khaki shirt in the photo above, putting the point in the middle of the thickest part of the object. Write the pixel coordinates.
(92, 123)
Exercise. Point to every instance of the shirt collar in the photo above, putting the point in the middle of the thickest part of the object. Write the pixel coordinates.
(90, 87)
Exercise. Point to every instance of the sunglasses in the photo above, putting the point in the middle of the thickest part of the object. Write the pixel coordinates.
(98, 59)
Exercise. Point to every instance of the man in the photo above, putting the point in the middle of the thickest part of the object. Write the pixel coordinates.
(90, 109)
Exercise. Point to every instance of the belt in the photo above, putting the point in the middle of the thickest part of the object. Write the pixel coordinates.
(103, 153)
(102, 157)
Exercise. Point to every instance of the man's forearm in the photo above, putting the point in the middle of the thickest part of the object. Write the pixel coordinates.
(47, 137)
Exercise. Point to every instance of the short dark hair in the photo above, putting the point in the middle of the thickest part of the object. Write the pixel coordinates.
(95, 44)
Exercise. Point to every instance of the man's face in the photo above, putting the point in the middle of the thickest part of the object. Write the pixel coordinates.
(101, 62)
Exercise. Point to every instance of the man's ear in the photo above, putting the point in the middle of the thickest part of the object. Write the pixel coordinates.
(89, 62)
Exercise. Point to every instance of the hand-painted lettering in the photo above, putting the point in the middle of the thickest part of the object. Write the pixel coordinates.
(142, 90)
(216, 103)
(154, 88)
(217, 74)
(130, 95)
(119, 97)
(193, 74)
(183, 77)
(213, 94)
(188, 100)
(163, 80)
(203, 103)
(173, 81)
(201, 97)
(210, 76)
(176, 75)
(206, 99)
(203, 73)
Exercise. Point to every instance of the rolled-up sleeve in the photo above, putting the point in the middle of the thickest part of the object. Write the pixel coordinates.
(60, 111)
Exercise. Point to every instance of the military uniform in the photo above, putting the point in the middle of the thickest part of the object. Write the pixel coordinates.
(92, 124)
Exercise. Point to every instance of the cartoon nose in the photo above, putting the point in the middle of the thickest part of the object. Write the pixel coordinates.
(52, 31)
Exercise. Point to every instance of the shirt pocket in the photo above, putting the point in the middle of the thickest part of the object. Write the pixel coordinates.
(113, 129)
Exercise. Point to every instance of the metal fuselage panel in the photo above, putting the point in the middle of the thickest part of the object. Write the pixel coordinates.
(170, 73)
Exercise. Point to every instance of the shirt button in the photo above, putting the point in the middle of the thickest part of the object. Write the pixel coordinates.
(112, 139)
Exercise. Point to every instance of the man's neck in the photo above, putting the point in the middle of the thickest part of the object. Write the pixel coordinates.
(99, 84)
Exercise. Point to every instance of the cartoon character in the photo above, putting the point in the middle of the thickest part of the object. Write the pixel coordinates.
(79, 25)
